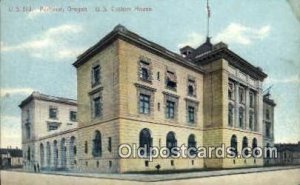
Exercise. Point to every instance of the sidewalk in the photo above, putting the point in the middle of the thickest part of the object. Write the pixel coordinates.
(171, 176)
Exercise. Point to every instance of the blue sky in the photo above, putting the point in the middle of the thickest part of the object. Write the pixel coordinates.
(38, 47)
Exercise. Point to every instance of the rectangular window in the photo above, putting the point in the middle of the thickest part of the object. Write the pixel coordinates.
(268, 129)
(86, 147)
(73, 115)
(53, 113)
(28, 115)
(251, 99)
(241, 117)
(267, 114)
(191, 114)
(28, 130)
(171, 82)
(52, 126)
(170, 112)
(144, 104)
(231, 91)
(96, 75)
(191, 88)
(109, 144)
(97, 107)
(242, 95)
(145, 71)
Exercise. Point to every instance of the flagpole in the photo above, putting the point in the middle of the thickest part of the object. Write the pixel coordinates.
(208, 16)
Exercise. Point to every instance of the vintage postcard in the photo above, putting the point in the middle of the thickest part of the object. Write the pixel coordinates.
(150, 92)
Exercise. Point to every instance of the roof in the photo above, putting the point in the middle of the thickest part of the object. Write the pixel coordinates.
(268, 100)
(40, 96)
(121, 32)
(206, 54)
(288, 147)
(12, 152)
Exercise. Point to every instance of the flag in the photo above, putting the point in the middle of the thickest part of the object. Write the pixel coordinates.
(208, 9)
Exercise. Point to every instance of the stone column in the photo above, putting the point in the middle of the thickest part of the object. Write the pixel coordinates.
(236, 108)
(259, 109)
(55, 156)
(247, 105)
(68, 153)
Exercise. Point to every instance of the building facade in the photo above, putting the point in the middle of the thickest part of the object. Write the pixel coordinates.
(48, 132)
(136, 92)
(268, 127)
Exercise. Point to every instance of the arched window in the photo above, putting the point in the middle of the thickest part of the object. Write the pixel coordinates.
(42, 154)
(145, 139)
(48, 154)
(233, 145)
(245, 145)
(55, 154)
(241, 117)
(171, 142)
(97, 145)
(72, 150)
(63, 153)
(192, 144)
(268, 151)
(230, 114)
(254, 145)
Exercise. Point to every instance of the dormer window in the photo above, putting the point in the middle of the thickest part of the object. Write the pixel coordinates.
(145, 72)
(171, 82)
(191, 87)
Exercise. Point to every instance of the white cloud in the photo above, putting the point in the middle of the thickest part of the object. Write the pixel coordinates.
(6, 92)
(233, 33)
(34, 13)
(241, 34)
(290, 79)
(193, 39)
(55, 43)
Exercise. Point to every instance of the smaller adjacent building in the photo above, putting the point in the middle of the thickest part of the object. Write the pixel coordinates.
(48, 125)
(288, 154)
(10, 158)
(268, 127)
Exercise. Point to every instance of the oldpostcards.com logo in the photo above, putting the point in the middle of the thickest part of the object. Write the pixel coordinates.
(153, 152)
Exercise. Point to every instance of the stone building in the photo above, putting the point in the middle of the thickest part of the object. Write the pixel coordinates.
(48, 131)
(134, 91)
(268, 127)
